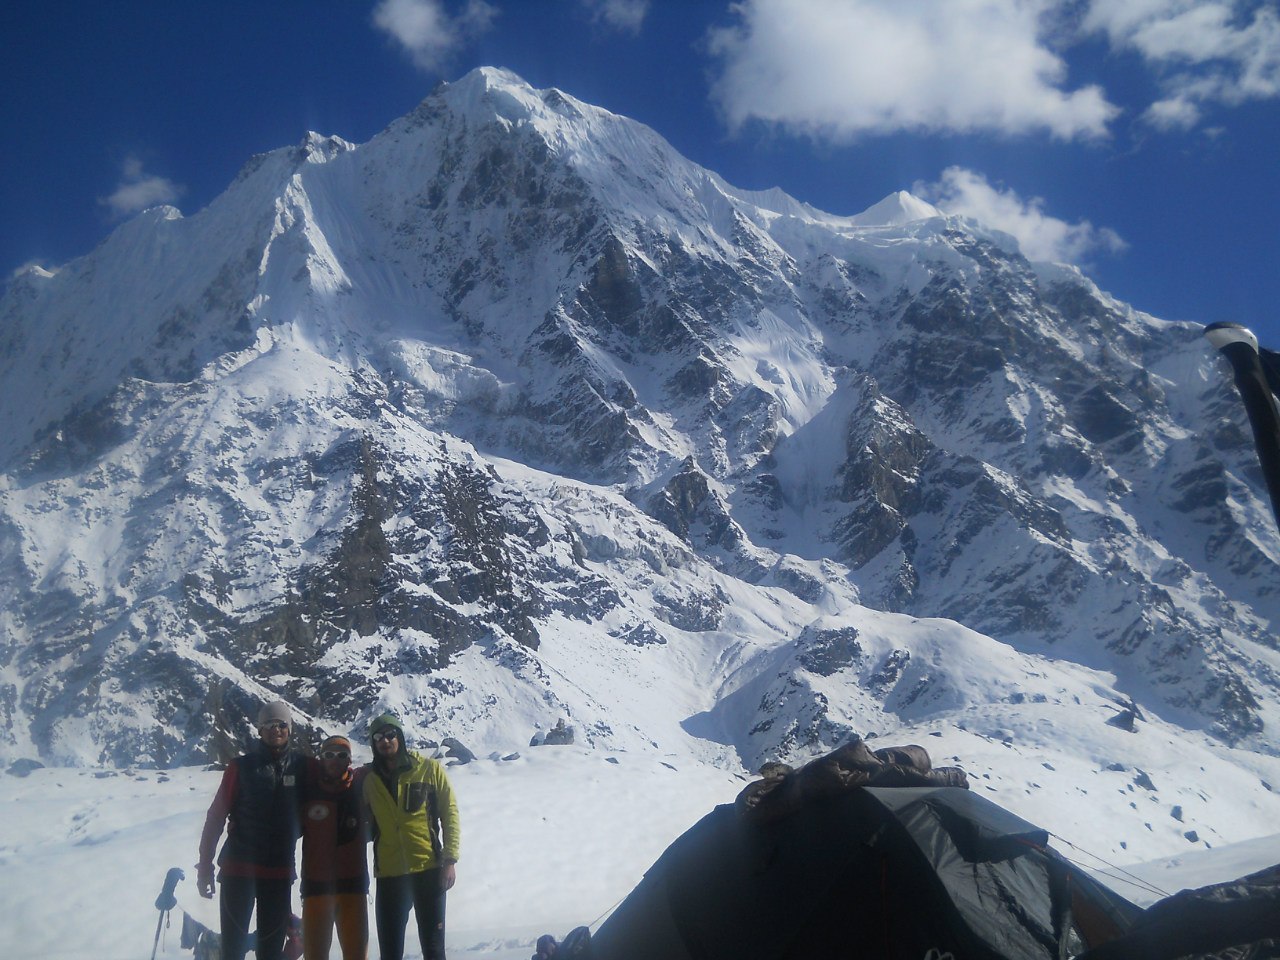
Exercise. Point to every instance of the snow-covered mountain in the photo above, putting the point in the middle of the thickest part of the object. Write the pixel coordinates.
(513, 414)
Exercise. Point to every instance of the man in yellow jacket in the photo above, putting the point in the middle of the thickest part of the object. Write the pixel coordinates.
(415, 840)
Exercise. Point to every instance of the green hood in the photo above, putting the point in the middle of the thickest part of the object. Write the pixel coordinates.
(386, 720)
(403, 760)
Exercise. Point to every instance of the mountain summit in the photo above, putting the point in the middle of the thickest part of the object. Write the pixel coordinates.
(895, 210)
(513, 414)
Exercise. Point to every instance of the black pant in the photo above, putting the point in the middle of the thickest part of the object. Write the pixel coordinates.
(238, 895)
(395, 896)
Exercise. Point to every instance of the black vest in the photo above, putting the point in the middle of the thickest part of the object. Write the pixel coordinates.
(264, 828)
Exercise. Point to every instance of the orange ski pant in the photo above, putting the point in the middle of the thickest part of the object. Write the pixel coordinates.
(349, 912)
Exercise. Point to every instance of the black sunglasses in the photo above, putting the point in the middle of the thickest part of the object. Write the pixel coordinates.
(336, 755)
(275, 725)
(385, 735)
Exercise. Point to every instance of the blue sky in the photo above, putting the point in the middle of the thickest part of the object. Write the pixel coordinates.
(1137, 138)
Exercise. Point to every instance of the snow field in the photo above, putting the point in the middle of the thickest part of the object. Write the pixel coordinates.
(551, 841)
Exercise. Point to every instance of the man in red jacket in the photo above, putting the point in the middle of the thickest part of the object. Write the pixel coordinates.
(335, 864)
(259, 797)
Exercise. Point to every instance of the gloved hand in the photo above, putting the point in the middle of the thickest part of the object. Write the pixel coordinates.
(204, 880)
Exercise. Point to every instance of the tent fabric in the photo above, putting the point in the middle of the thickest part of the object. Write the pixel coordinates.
(1237, 920)
(980, 828)
(1006, 885)
(818, 865)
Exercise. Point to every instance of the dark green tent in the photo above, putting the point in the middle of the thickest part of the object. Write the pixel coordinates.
(1237, 920)
(876, 872)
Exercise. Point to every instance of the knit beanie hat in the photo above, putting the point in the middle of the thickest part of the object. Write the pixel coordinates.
(336, 743)
(272, 712)
(384, 721)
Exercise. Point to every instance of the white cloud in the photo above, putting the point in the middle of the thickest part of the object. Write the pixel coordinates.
(426, 30)
(1176, 113)
(138, 190)
(624, 15)
(1221, 51)
(1040, 236)
(840, 68)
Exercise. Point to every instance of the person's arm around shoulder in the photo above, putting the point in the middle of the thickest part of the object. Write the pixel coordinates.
(361, 775)
(308, 779)
(450, 826)
(214, 821)
(367, 786)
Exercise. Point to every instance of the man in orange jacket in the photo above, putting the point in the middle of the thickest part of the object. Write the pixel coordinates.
(335, 866)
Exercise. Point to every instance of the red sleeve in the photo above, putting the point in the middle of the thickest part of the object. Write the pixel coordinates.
(217, 815)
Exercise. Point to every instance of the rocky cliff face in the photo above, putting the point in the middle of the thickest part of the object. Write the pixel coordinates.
(514, 414)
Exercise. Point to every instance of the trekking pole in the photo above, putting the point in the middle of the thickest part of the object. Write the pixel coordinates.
(166, 902)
